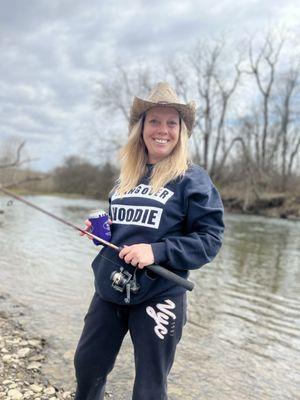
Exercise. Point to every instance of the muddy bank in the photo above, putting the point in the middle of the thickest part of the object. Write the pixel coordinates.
(276, 205)
(22, 356)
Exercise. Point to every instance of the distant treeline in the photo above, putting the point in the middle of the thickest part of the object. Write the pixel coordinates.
(79, 176)
(76, 176)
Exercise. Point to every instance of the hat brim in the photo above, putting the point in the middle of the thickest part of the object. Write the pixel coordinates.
(186, 111)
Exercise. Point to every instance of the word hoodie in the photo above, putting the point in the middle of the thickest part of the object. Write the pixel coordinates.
(183, 222)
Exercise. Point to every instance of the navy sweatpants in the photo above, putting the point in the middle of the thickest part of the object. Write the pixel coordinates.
(155, 328)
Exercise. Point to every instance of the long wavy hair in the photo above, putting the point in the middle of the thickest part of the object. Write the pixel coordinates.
(134, 157)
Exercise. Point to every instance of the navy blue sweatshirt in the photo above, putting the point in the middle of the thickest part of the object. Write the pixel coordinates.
(183, 222)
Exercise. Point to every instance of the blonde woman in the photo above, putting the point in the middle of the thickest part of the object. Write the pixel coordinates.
(164, 210)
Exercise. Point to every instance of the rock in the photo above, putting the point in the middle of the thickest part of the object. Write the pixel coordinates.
(28, 394)
(13, 386)
(34, 365)
(68, 355)
(7, 358)
(49, 390)
(23, 352)
(14, 394)
(13, 341)
(37, 357)
(4, 350)
(36, 388)
(34, 343)
(7, 382)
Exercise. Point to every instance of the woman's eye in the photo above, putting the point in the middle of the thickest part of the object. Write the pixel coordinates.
(154, 121)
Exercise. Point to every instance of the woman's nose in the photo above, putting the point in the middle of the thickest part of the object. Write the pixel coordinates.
(163, 128)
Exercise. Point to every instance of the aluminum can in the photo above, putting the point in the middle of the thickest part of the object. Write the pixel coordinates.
(100, 226)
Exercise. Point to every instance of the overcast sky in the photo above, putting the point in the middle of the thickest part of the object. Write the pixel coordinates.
(53, 50)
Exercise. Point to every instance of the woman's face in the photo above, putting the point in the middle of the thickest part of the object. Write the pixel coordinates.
(161, 132)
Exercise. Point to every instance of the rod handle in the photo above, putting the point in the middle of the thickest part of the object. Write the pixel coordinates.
(167, 274)
(171, 276)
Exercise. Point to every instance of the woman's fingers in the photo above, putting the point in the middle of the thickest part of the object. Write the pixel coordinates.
(138, 255)
(87, 229)
(124, 251)
(134, 262)
(88, 223)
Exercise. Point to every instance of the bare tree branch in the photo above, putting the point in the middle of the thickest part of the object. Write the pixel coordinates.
(267, 56)
(16, 161)
(225, 96)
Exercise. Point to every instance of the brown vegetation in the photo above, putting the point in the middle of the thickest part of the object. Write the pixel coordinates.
(79, 176)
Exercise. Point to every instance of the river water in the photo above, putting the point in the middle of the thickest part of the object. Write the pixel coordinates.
(242, 340)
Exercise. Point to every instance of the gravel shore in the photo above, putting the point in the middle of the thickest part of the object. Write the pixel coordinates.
(21, 360)
(22, 356)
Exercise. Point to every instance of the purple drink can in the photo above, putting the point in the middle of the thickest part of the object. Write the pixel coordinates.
(100, 226)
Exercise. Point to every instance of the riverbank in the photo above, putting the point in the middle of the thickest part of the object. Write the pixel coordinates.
(22, 356)
(275, 205)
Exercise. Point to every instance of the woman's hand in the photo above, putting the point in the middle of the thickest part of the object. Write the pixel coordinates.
(88, 227)
(138, 255)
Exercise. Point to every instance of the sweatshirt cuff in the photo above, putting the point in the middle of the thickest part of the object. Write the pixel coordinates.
(160, 252)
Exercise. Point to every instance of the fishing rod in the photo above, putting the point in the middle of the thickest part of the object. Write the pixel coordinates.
(163, 272)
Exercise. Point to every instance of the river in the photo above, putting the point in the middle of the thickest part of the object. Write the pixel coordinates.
(242, 339)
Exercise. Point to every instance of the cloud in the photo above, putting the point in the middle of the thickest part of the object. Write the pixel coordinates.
(52, 51)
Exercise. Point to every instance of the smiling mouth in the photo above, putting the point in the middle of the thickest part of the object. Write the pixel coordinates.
(161, 141)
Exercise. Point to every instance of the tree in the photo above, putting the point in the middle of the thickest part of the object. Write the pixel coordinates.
(114, 94)
(263, 67)
(213, 86)
(10, 161)
(288, 134)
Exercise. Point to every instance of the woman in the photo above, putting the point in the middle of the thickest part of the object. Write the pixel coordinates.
(164, 210)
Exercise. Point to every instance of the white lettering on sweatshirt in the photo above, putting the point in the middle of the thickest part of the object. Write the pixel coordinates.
(136, 215)
(144, 191)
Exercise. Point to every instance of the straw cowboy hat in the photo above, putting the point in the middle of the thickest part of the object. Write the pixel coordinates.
(163, 95)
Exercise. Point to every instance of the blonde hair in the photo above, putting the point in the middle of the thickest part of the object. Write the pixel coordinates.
(134, 159)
